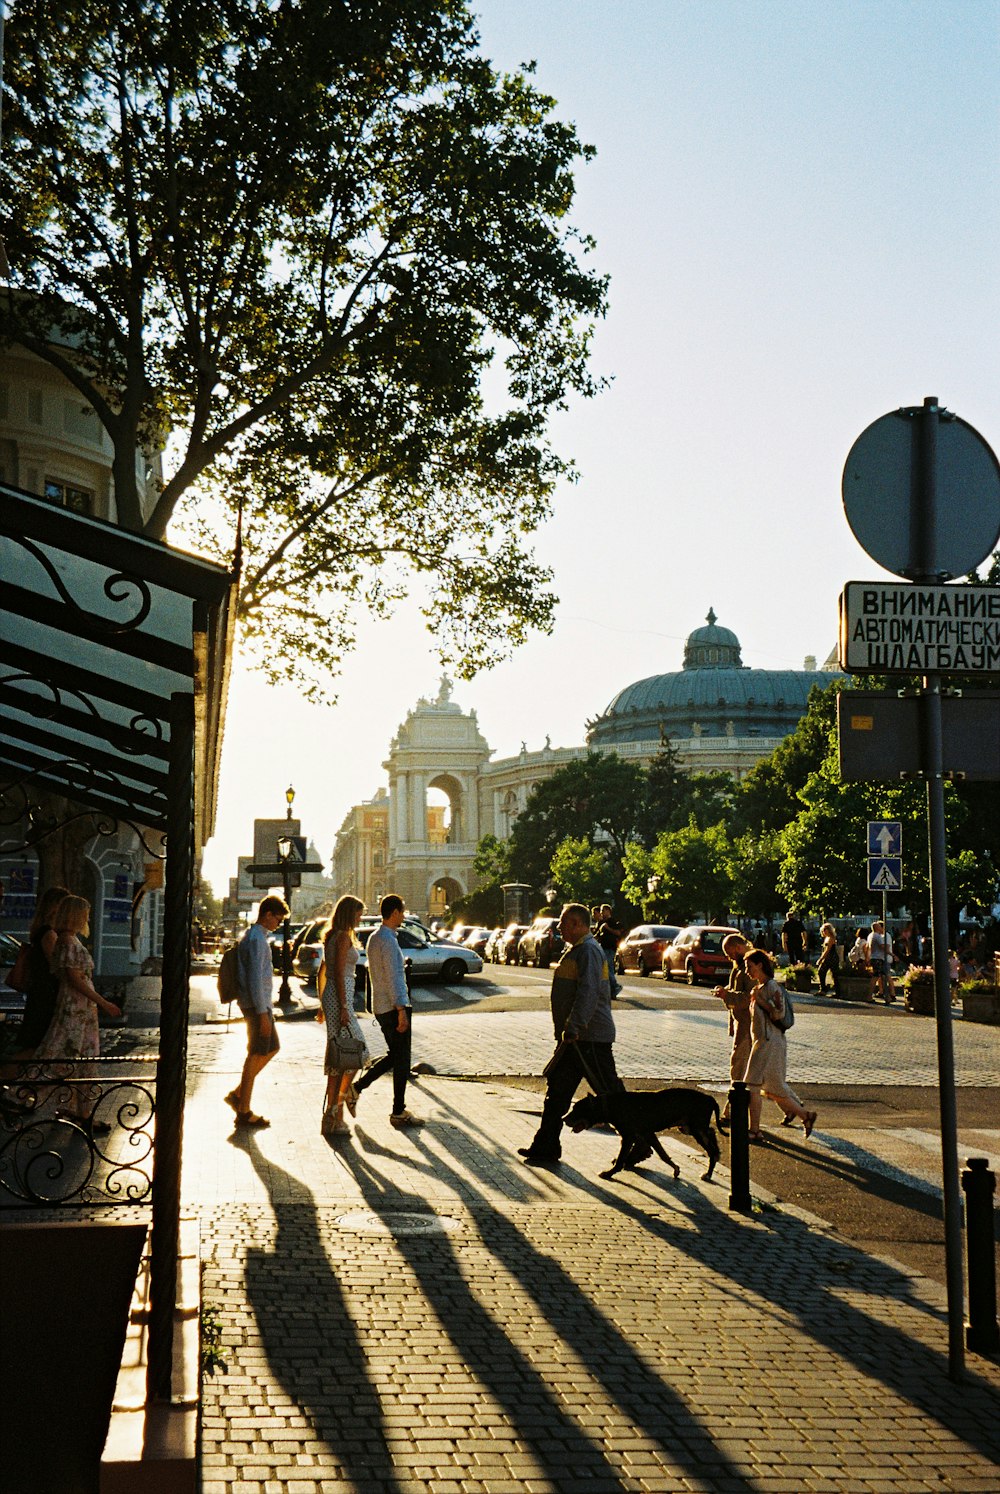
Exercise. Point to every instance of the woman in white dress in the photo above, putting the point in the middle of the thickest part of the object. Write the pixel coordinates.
(769, 1054)
(340, 954)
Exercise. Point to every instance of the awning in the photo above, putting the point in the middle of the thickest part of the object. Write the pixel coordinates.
(99, 629)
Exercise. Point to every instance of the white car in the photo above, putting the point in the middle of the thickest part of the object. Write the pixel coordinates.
(430, 957)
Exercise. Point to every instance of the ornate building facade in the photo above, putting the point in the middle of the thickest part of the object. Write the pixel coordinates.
(717, 713)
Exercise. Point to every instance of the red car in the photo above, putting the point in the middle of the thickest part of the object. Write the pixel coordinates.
(696, 953)
(642, 948)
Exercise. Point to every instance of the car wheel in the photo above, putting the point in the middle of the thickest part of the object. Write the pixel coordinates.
(640, 965)
(522, 957)
(452, 970)
(668, 974)
(619, 965)
(689, 971)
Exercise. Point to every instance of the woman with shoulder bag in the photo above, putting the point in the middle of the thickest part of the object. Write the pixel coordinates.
(769, 1054)
(73, 1032)
(346, 1050)
(41, 986)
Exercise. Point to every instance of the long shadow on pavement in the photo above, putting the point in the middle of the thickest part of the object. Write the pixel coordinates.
(909, 1367)
(311, 1342)
(534, 1410)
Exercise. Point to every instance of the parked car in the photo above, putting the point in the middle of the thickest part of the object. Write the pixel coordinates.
(541, 943)
(642, 948)
(477, 939)
(696, 953)
(307, 951)
(509, 941)
(429, 957)
(492, 950)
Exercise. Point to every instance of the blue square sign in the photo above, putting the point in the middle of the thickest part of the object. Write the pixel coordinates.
(885, 873)
(885, 838)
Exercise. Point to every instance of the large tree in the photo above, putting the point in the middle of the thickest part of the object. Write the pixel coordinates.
(595, 793)
(326, 247)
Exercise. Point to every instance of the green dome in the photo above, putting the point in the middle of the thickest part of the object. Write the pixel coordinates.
(715, 694)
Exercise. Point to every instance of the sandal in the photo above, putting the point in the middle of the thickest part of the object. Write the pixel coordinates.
(247, 1118)
(789, 1120)
(351, 1098)
(233, 1100)
(809, 1122)
(755, 1136)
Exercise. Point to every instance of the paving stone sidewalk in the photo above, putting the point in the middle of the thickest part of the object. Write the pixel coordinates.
(417, 1311)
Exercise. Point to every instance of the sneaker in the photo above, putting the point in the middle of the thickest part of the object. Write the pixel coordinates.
(404, 1118)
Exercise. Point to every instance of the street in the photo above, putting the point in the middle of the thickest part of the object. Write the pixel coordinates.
(872, 1168)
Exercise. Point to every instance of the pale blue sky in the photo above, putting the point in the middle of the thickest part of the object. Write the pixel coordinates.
(798, 206)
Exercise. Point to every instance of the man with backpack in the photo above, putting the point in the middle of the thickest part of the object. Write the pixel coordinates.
(255, 986)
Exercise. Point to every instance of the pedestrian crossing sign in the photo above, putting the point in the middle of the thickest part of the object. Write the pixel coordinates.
(885, 873)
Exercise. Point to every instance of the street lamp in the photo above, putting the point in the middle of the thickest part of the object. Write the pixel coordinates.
(653, 886)
(285, 849)
(549, 893)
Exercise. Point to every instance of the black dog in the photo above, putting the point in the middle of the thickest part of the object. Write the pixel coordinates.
(639, 1115)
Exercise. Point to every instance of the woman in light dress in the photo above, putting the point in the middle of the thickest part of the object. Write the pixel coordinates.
(73, 1031)
(769, 1054)
(340, 953)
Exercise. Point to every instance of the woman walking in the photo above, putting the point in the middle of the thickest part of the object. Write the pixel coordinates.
(73, 1031)
(346, 1050)
(829, 960)
(769, 1054)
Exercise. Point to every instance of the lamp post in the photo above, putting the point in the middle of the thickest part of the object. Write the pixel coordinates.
(285, 856)
(653, 887)
(549, 893)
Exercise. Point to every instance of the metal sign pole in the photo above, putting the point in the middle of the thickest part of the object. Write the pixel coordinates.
(923, 540)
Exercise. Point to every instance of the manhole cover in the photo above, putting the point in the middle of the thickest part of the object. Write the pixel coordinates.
(397, 1224)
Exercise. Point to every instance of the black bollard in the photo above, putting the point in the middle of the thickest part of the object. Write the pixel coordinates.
(982, 1334)
(739, 1149)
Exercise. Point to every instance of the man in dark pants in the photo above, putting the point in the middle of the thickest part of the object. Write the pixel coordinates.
(584, 1029)
(391, 1005)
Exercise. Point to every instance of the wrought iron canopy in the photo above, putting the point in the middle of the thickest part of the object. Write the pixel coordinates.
(99, 629)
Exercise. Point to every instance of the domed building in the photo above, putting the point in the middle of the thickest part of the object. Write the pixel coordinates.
(715, 711)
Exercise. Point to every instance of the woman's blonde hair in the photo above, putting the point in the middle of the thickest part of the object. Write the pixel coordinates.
(344, 917)
(72, 915)
(827, 928)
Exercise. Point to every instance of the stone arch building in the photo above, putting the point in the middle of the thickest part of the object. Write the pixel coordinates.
(716, 712)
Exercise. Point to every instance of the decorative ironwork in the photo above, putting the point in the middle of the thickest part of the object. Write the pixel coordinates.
(142, 725)
(16, 805)
(116, 589)
(72, 1137)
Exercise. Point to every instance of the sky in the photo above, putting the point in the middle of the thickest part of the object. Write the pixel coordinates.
(797, 203)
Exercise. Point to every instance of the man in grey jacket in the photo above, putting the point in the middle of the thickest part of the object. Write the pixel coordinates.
(391, 1005)
(584, 1029)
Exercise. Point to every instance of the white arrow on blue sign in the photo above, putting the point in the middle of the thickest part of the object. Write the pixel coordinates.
(885, 838)
(885, 873)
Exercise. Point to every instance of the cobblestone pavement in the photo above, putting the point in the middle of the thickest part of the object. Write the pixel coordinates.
(417, 1311)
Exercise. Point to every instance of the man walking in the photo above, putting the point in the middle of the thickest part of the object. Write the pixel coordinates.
(736, 995)
(256, 986)
(391, 1005)
(793, 938)
(584, 1029)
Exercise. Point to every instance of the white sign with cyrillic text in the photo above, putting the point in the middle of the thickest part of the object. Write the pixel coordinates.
(888, 628)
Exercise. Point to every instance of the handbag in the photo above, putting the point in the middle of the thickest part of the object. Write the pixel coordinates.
(19, 975)
(350, 1050)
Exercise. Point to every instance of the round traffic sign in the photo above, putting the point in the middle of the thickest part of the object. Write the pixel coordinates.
(883, 483)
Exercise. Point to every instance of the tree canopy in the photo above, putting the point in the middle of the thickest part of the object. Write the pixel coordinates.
(326, 247)
(581, 798)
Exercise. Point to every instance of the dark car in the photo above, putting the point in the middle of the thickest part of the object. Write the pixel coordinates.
(476, 939)
(509, 940)
(696, 953)
(541, 943)
(642, 948)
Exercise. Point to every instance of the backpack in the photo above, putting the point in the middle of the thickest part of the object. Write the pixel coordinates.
(788, 1019)
(228, 980)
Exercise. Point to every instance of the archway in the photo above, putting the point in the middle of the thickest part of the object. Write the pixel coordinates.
(441, 892)
(446, 787)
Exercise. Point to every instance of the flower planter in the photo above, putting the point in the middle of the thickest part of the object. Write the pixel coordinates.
(919, 998)
(981, 1006)
(854, 987)
(799, 980)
